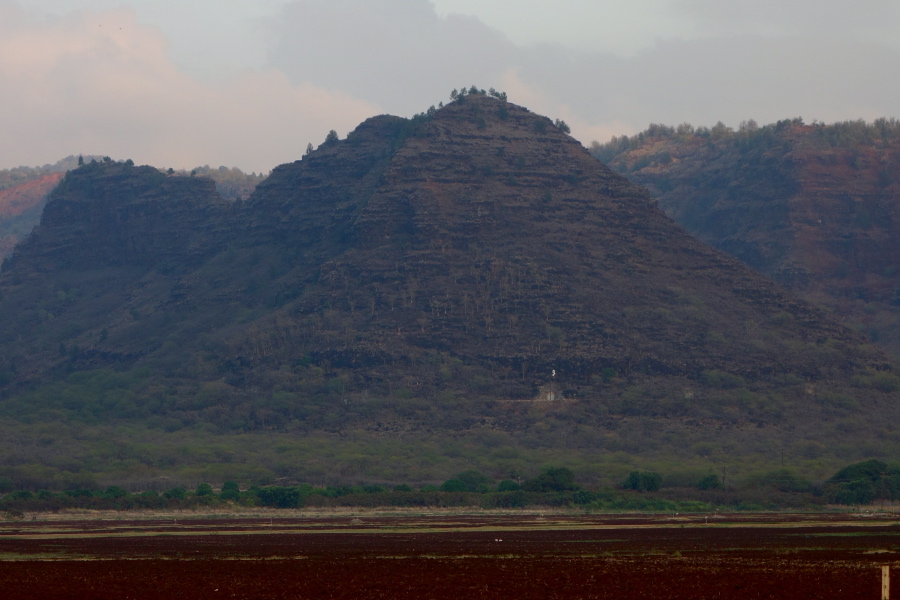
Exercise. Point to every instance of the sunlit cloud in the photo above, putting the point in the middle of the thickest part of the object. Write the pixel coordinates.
(101, 83)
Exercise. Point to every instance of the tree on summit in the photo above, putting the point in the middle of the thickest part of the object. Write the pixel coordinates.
(563, 126)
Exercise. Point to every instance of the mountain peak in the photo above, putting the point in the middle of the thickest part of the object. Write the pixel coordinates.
(450, 269)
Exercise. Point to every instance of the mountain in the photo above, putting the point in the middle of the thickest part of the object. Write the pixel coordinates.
(24, 190)
(814, 207)
(467, 287)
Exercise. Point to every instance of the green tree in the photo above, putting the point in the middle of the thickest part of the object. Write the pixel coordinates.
(230, 491)
(863, 482)
(710, 482)
(642, 481)
(204, 489)
(475, 481)
(453, 485)
(114, 492)
(554, 479)
(280, 497)
(508, 485)
(176, 493)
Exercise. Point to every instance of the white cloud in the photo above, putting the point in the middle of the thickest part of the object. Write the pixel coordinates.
(398, 53)
(102, 83)
(403, 55)
(78, 83)
(777, 17)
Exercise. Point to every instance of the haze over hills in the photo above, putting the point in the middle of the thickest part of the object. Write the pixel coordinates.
(466, 288)
(814, 207)
(20, 209)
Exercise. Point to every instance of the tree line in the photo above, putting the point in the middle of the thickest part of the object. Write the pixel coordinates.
(865, 482)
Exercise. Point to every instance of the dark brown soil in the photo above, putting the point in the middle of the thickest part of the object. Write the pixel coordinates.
(447, 557)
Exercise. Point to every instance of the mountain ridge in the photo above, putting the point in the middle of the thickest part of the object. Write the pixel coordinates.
(422, 280)
(814, 207)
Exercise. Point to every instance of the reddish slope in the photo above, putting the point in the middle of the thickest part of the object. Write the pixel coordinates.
(15, 202)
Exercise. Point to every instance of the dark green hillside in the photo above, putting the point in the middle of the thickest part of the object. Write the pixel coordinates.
(467, 289)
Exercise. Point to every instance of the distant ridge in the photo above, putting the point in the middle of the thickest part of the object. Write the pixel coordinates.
(20, 207)
(815, 207)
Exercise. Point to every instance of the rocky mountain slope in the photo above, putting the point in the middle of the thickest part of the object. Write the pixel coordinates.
(23, 192)
(815, 207)
(473, 273)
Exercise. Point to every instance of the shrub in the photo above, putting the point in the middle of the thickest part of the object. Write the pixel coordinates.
(280, 497)
(558, 479)
(642, 481)
(863, 482)
(114, 492)
(508, 485)
(453, 485)
(710, 482)
(176, 493)
(722, 379)
(230, 491)
(475, 481)
(511, 499)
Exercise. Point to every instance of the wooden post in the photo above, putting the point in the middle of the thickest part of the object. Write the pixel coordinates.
(885, 582)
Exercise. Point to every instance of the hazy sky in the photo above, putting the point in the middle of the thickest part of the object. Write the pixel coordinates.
(250, 83)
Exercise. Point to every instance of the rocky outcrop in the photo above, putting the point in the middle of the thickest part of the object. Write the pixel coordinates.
(115, 214)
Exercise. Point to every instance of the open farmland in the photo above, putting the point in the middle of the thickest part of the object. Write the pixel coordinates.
(443, 556)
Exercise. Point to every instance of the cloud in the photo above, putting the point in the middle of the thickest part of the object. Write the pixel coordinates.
(398, 53)
(100, 82)
(777, 17)
(402, 55)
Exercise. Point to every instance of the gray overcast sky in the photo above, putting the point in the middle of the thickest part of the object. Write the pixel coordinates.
(249, 83)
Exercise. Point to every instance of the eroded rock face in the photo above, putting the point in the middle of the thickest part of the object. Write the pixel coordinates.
(501, 237)
(479, 251)
(115, 214)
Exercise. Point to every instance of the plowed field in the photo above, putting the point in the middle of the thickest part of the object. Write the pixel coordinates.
(425, 557)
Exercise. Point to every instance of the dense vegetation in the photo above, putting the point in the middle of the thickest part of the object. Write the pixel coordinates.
(857, 484)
